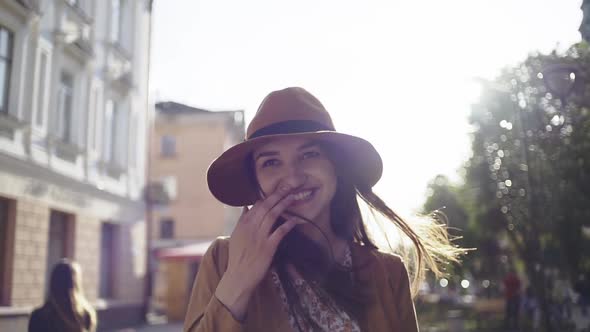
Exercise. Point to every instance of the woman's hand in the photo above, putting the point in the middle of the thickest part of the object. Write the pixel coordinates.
(252, 246)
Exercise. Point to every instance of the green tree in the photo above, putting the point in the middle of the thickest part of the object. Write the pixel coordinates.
(443, 196)
(455, 206)
(442, 200)
(530, 170)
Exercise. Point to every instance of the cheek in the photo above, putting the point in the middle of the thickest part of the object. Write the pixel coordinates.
(327, 174)
(333, 185)
(266, 183)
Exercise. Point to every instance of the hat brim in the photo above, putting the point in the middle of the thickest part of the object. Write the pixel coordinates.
(229, 180)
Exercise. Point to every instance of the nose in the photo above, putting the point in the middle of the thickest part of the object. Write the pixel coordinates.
(294, 176)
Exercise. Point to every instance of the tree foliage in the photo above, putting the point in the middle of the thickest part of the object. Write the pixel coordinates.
(528, 180)
(530, 169)
(531, 160)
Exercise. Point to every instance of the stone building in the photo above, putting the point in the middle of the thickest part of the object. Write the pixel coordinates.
(184, 142)
(73, 119)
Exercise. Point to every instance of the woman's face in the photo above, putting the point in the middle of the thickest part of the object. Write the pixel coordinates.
(302, 165)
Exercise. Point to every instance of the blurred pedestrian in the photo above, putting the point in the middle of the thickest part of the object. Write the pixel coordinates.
(561, 296)
(530, 306)
(512, 300)
(300, 258)
(582, 287)
(65, 308)
(529, 302)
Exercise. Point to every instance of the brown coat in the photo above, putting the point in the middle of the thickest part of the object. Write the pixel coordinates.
(391, 309)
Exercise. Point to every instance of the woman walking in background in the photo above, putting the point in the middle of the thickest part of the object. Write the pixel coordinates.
(65, 308)
(300, 259)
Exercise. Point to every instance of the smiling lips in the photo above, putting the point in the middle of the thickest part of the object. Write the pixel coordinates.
(303, 196)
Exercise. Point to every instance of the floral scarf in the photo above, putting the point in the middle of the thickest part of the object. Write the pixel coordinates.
(323, 312)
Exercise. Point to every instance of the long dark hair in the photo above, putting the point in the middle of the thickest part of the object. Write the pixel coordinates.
(67, 299)
(340, 285)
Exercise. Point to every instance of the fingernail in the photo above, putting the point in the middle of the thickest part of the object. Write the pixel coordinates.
(284, 187)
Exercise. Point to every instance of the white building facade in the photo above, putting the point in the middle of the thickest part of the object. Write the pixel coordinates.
(73, 124)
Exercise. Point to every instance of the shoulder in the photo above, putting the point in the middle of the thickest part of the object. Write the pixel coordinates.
(220, 244)
(379, 263)
(219, 247)
(216, 255)
(40, 312)
(38, 319)
(387, 261)
(388, 258)
(394, 266)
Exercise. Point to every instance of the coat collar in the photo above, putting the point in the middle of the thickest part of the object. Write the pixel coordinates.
(271, 308)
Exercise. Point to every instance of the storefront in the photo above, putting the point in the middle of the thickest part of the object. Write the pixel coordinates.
(174, 278)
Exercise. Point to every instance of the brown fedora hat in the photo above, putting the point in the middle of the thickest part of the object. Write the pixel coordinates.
(286, 113)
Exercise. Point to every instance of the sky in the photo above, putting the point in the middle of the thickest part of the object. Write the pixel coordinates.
(398, 73)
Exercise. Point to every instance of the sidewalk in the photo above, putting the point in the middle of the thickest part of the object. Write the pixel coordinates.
(165, 327)
(580, 321)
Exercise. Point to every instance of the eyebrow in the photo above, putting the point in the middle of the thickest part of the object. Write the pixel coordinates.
(266, 154)
(276, 153)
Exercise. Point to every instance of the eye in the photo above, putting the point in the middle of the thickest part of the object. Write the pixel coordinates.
(310, 154)
(270, 163)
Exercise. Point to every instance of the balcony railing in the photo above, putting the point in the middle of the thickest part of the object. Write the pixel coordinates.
(118, 69)
(76, 30)
(77, 13)
(24, 8)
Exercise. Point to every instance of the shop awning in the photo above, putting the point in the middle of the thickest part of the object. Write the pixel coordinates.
(190, 252)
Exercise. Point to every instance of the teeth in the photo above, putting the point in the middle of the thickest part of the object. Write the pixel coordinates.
(302, 195)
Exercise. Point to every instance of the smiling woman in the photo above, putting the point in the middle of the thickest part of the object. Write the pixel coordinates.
(300, 258)
(302, 165)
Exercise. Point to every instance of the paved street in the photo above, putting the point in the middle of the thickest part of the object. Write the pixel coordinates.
(168, 327)
(582, 322)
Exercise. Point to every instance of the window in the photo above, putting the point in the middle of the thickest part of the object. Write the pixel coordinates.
(41, 90)
(6, 39)
(116, 17)
(61, 240)
(97, 118)
(133, 140)
(110, 131)
(168, 146)
(166, 228)
(64, 107)
(6, 244)
(107, 260)
(92, 124)
(115, 133)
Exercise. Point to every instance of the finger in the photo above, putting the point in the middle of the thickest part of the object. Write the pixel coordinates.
(245, 210)
(290, 215)
(261, 208)
(271, 217)
(277, 236)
